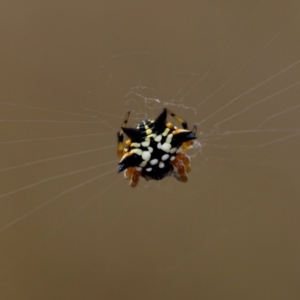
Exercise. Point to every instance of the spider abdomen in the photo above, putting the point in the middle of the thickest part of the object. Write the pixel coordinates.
(157, 166)
(155, 149)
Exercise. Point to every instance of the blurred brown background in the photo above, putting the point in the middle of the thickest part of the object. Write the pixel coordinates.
(71, 228)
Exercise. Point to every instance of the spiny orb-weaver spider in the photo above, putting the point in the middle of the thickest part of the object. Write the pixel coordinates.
(155, 149)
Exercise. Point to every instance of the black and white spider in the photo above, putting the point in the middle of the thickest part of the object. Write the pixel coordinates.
(155, 149)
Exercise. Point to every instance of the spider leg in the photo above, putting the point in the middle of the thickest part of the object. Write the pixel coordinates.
(181, 121)
(180, 172)
(120, 135)
(177, 118)
(194, 130)
(185, 160)
(132, 174)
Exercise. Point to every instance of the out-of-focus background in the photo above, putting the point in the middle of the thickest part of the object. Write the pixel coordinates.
(71, 228)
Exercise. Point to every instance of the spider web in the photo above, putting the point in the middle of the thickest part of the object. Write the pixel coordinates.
(60, 156)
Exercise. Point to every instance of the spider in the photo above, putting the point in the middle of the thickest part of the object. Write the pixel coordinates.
(155, 149)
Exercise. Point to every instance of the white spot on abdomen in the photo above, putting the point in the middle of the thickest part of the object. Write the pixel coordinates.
(137, 151)
(153, 161)
(158, 138)
(143, 164)
(165, 133)
(169, 138)
(146, 143)
(166, 147)
(173, 150)
(136, 145)
(165, 157)
(146, 155)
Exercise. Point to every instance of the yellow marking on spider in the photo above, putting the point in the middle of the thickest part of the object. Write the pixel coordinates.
(135, 145)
